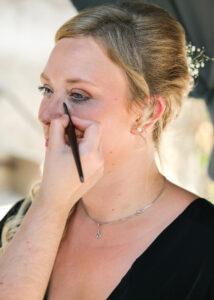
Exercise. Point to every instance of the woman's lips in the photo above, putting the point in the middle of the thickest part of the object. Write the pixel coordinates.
(46, 142)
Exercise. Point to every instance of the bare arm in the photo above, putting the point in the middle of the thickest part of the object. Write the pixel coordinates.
(26, 265)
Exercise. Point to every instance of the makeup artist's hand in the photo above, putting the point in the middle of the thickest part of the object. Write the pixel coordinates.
(60, 181)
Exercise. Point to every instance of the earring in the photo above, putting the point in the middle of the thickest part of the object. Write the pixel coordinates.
(139, 129)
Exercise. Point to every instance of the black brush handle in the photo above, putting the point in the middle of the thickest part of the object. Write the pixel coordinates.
(70, 130)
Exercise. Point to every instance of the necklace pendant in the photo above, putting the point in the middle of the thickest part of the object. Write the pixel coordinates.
(98, 235)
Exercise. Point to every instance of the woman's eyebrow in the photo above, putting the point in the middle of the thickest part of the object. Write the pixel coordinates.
(74, 80)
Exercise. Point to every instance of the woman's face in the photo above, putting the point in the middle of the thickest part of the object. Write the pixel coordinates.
(79, 73)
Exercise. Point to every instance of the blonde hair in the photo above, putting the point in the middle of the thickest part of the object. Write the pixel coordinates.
(13, 222)
(149, 45)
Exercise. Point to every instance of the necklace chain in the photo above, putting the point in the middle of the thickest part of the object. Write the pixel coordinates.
(137, 212)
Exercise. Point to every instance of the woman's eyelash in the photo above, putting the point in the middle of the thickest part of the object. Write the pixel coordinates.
(76, 98)
(43, 89)
(46, 90)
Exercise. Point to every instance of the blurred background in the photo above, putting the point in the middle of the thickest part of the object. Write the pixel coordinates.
(27, 30)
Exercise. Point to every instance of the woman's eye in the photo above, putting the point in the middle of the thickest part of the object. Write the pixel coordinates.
(44, 90)
(76, 97)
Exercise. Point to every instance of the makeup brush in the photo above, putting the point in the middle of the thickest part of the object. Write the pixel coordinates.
(70, 130)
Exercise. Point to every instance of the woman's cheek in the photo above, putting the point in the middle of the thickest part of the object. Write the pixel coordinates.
(79, 110)
(109, 140)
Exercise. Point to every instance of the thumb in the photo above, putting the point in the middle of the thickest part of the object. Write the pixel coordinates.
(57, 131)
(83, 124)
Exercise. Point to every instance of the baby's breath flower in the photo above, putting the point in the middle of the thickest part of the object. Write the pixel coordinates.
(189, 59)
(196, 60)
(195, 72)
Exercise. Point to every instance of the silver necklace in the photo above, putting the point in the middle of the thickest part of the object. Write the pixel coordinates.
(137, 213)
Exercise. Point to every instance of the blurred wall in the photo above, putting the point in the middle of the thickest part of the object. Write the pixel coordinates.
(27, 30)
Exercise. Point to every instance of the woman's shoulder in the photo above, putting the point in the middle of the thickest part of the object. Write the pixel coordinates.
(196, 227)
(201, 210)
(197, 208)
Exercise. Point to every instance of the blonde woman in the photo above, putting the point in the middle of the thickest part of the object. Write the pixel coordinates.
(126, 232)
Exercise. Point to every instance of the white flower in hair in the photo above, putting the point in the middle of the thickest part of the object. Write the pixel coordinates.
(196, 60)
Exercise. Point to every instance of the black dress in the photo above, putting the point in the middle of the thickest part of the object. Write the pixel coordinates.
(179, 263)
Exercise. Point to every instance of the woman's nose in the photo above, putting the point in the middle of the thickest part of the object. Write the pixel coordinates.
(50, 110)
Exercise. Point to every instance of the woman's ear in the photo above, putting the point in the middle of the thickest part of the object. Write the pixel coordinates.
(160, 105)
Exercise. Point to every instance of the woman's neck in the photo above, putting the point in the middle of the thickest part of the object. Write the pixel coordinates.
(123, 190)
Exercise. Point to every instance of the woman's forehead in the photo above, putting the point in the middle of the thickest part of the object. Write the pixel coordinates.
(83, 58)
